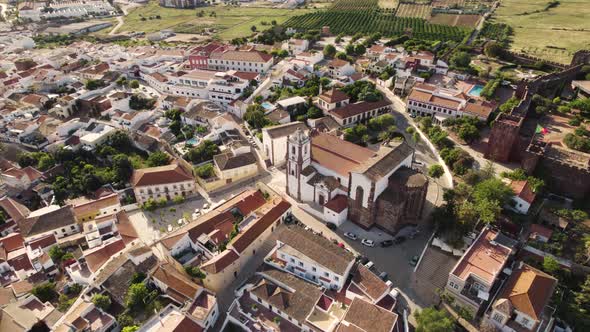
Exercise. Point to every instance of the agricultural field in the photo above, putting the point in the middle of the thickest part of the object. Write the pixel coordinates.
(230, 21)
(389, 4)
(364, 16)
(413, 10)
(551, 33)
(468, 21)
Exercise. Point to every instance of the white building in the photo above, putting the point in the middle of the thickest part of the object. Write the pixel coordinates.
(442, 103)
(162, 182)
(523, 303)
(523, 196)
(312, 257)
(248, 61)
(274, 141)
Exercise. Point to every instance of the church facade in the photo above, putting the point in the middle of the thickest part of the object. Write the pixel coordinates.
(350, 182)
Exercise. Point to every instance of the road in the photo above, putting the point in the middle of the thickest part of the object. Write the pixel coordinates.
(121, 19)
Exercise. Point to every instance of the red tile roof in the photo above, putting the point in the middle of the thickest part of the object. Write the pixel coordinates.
(12, 242)
(358, 108)
(529, 290)
(172, 173)
(96, 259)
(220, 262)
(337, 204)
(523, 190)
(540, 230)
(43, 242)
(256, 228)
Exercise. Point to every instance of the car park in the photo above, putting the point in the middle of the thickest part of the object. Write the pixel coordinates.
(368, 243)
(351, 236)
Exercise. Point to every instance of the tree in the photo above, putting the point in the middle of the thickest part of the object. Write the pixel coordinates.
(359, 49)
(432, 320)
(436, 171)
(314, 113)
(102, 301)
(461, 59)
(122, 167)
(509, 105)
(125, 320)
(178, 199)
(56, 253)
(329, 51)
(45, 292)
(493, 49)
(255, 116)
(137, 295)
(550, 264)
(203, 152)
(131, 328)
(134, 84)
(468, 132)
(158, 158)
(341, 56)
(120, 141)
(253, 28)
(205, 171)
(94, 84)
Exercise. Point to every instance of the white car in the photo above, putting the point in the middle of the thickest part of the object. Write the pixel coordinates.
(368, 243)
(197, 211)
(205, 206)
(351, 236)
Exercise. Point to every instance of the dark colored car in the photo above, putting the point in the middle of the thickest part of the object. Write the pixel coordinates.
(386, 243)
(331, 226)
(399, 239)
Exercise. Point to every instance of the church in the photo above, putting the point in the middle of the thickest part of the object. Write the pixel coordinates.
(351, 182)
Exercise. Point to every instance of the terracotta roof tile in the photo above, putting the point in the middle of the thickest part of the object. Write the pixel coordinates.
(160, 175)
(256, 228)
(97, 257)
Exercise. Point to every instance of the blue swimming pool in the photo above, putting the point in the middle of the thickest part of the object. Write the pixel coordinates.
(193, 141)
(267, 106)
(476, 90)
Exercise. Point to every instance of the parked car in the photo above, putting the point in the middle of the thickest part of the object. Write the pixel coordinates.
(362, 259)
(369, 265)
(331, 226)
(414, 260)
(386, 243)
(413, 116)
(368, 243)
(419, 163)
(383, 276)
(351, 236)
(399, 239)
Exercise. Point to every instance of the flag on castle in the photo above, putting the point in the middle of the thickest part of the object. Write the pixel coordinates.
(541, 130)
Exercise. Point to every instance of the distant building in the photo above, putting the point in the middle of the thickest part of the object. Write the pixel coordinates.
(441, 103)
(181, 3)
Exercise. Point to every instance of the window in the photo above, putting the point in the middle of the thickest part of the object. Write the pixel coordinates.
(326, 274)
(451, 284)
(336, 278)
(292, 260)
(313, 269)
(525, 321)
(300, 263)
(498, 318)
(73, 227)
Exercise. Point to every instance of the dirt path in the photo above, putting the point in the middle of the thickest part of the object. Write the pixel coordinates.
(120, 19)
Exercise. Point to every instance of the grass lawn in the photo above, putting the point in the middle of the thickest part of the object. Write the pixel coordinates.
(230, 21)
(554, 34)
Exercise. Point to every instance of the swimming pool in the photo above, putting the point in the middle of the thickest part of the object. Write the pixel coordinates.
(193, 141)
(476, 90)
(267, 106)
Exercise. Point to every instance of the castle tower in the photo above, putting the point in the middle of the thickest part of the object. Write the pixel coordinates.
(503, 137)
(298, 158)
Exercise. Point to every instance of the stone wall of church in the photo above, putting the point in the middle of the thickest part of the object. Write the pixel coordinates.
(389, 216)
(415, 199)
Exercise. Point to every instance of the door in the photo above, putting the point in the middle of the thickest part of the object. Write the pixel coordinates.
(321, 200)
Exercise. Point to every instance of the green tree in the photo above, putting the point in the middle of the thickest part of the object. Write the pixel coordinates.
(314, 113)
(432, 320)
(255, 116)
(56, 253)
(550, 265)
(203, 152)
(205, 171)
(137, 295)
(461, 59)
(436, 171)
(468, 132)
(158, 158)
(341, 56)
(102, 301)
(45, 292)
(493, 49)
(122, 167)
(134, 84)
(125, 320)
(329, 51)
(131, 328)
